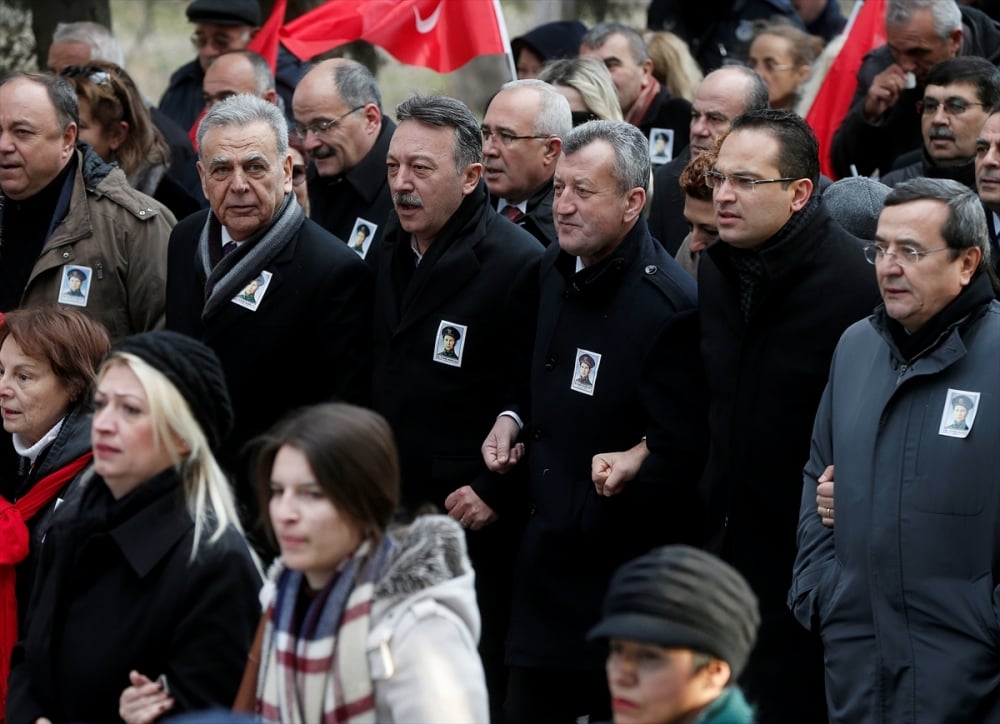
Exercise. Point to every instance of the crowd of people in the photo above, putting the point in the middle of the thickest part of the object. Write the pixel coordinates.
(600, 402)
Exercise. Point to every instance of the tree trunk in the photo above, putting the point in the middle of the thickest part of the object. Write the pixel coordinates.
(45, 14)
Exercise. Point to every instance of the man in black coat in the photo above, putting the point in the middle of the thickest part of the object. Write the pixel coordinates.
(614, 300)
(339, 120)
(883, 122)
(644, 102)
(522, 137)
(306, 336)
(775, 297)
(456, 298)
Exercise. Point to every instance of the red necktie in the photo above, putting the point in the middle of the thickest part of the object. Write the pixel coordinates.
(513, 213)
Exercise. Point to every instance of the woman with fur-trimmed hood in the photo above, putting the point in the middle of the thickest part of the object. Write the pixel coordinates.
(348, 590)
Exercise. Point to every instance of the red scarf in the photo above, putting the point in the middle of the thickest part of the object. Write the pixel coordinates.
(14, 539)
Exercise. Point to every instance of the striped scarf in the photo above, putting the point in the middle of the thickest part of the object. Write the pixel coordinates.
(316, 669)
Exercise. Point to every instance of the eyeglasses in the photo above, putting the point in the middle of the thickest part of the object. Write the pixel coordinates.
(904, 255)
(952, 106)
(768, 65)
(506, 139)
(97, 76)
(319, 127)
(715, 179)
(298, 174)
(220, 42)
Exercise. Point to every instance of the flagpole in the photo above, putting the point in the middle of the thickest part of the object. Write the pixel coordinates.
(502, 23)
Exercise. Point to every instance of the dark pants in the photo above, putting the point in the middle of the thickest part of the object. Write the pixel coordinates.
(556, 696)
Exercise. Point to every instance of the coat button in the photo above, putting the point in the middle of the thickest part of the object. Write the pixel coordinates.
(566, 294)
(651, 269)
(537, 434)
(65, 255)
(550, 363)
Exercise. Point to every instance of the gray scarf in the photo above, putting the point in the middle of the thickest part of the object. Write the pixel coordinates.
(234, 272)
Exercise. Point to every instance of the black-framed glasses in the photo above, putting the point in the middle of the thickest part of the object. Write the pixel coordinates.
(97, 76)
(319, 127)
(220, 42)
(768, 65)
(505, 138)
(715, 180)
(904, 255)
(952, 106)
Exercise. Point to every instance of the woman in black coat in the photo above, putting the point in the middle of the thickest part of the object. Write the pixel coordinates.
(146, 580)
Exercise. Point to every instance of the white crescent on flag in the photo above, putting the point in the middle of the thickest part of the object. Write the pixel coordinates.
(426, 25)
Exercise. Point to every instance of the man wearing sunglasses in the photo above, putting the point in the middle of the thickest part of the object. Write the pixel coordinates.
(958, 96)
(340, 125)
(908, 424)
(775, 294)
(220, 26)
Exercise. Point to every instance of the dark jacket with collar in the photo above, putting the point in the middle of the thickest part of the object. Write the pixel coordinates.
(634, 310)
(871, 146)
(765, 377)
(903, 588)
(309, 340)
(666, 211)
(537, 219)
(117, 591)
(921, 165)
(481, 273)
(361, 193)
(669, 111)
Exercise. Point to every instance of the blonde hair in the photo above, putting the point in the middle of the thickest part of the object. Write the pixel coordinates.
(673, 64)
(591, 79)
(207, 493)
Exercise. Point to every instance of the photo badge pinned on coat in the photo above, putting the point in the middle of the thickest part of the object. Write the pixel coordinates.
(75, 287)
(585, 371)
(253, 293)
(362, 235)
(449, 344)
(959, 414)
(661, 145)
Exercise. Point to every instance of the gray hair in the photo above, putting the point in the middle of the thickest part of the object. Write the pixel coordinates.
(356, 84)
(243, 110)
(631, 150)
(757, 95)
(61, 94)
(591, 79)
(965, 226)
(554, 116)
(599, 34)
(262, 75)
(946, 13)
(103, 45)
(443, 111)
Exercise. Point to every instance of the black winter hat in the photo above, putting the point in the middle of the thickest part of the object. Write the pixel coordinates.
(194, 370)
(678, 596)
(225, 12)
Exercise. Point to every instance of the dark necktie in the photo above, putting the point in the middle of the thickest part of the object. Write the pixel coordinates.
(513, 213)
(228, 248)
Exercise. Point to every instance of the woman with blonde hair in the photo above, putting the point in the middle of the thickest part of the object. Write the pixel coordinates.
(588, 87)
(146, 578)
(673, 64)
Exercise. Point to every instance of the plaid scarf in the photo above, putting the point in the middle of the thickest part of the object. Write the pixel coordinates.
(316, 669)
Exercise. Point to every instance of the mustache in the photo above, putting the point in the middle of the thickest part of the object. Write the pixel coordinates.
(938, 132)
(402, 199)
(324, 152)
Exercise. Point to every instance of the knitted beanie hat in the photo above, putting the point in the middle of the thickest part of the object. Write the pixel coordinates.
(194, 370)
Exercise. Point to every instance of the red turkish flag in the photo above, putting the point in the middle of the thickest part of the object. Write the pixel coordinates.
(265, 42)
(866, 32)
(440, 34)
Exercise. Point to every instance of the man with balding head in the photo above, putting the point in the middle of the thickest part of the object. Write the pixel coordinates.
(522, 139)
(339, 121)
(235, 72)
(722, 95)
